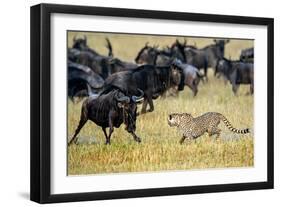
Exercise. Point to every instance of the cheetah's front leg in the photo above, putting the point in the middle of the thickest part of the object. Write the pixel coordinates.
(182, 139)
(185, 136)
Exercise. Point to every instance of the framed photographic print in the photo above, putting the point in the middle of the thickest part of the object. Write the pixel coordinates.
(132, 103)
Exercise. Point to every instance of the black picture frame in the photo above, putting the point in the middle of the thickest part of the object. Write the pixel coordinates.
(41, 96)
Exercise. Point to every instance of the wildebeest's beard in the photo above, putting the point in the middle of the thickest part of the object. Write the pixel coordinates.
(129, 114)
(129, 111)
(177, 78)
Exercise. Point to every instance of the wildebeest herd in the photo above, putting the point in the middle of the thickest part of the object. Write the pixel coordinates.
(114, 87)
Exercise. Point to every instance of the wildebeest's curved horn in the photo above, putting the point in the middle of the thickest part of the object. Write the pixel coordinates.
(85, 38)
(74, 38)
(125, 99)
(138, 98)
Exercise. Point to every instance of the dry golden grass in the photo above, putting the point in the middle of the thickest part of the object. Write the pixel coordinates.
(160, 149)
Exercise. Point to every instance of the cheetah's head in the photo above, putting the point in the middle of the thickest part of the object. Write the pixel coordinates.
(175, 119)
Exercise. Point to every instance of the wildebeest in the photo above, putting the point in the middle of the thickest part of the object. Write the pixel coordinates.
(110, 109)
(247, 55)
(204, 57)
(151, 55)
(102, 65)
(197, 58)
(81, 44)
(152, 80)
(237, 73)
(147, 55)
(178, 50)
(215, 52)
(82, 81)
(73, 54)
(192, 76)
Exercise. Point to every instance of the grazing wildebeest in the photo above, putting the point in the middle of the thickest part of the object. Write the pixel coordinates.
(82, 81)
(192, 75)
(152, 80)
(110, 109)
(247, 55)
(237, 73)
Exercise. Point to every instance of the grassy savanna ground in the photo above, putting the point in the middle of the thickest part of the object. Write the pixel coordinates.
(160, 149)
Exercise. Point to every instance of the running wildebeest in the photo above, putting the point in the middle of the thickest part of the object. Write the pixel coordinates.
(82, 81)
(152, 80)
(237, 73)
(192, 75)
(247, 55)
(110, 109)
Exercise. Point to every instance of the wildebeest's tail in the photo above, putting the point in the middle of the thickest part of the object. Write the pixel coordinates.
(200, 76)
(109, 47)
(231, 128)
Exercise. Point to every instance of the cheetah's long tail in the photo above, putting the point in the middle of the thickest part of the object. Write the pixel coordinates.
(231, 128)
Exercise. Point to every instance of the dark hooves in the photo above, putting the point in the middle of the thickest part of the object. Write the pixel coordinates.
(138, 140)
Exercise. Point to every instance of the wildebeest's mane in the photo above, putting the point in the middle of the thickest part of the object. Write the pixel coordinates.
(180, 48)
(107, 99)
(141, 51)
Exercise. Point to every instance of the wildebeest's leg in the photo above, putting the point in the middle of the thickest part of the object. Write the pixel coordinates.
(136, 138)
(105, 134)
(144, 105)
(111, 127)
(252, 88)
(192, 88)
(205, 72)
(82, 122)
(195, 87)
(235, 88)
(150, 102)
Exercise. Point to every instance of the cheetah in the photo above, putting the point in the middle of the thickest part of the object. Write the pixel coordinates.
(193, 128)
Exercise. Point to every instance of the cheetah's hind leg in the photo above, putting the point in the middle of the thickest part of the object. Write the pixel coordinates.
(214, 130)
